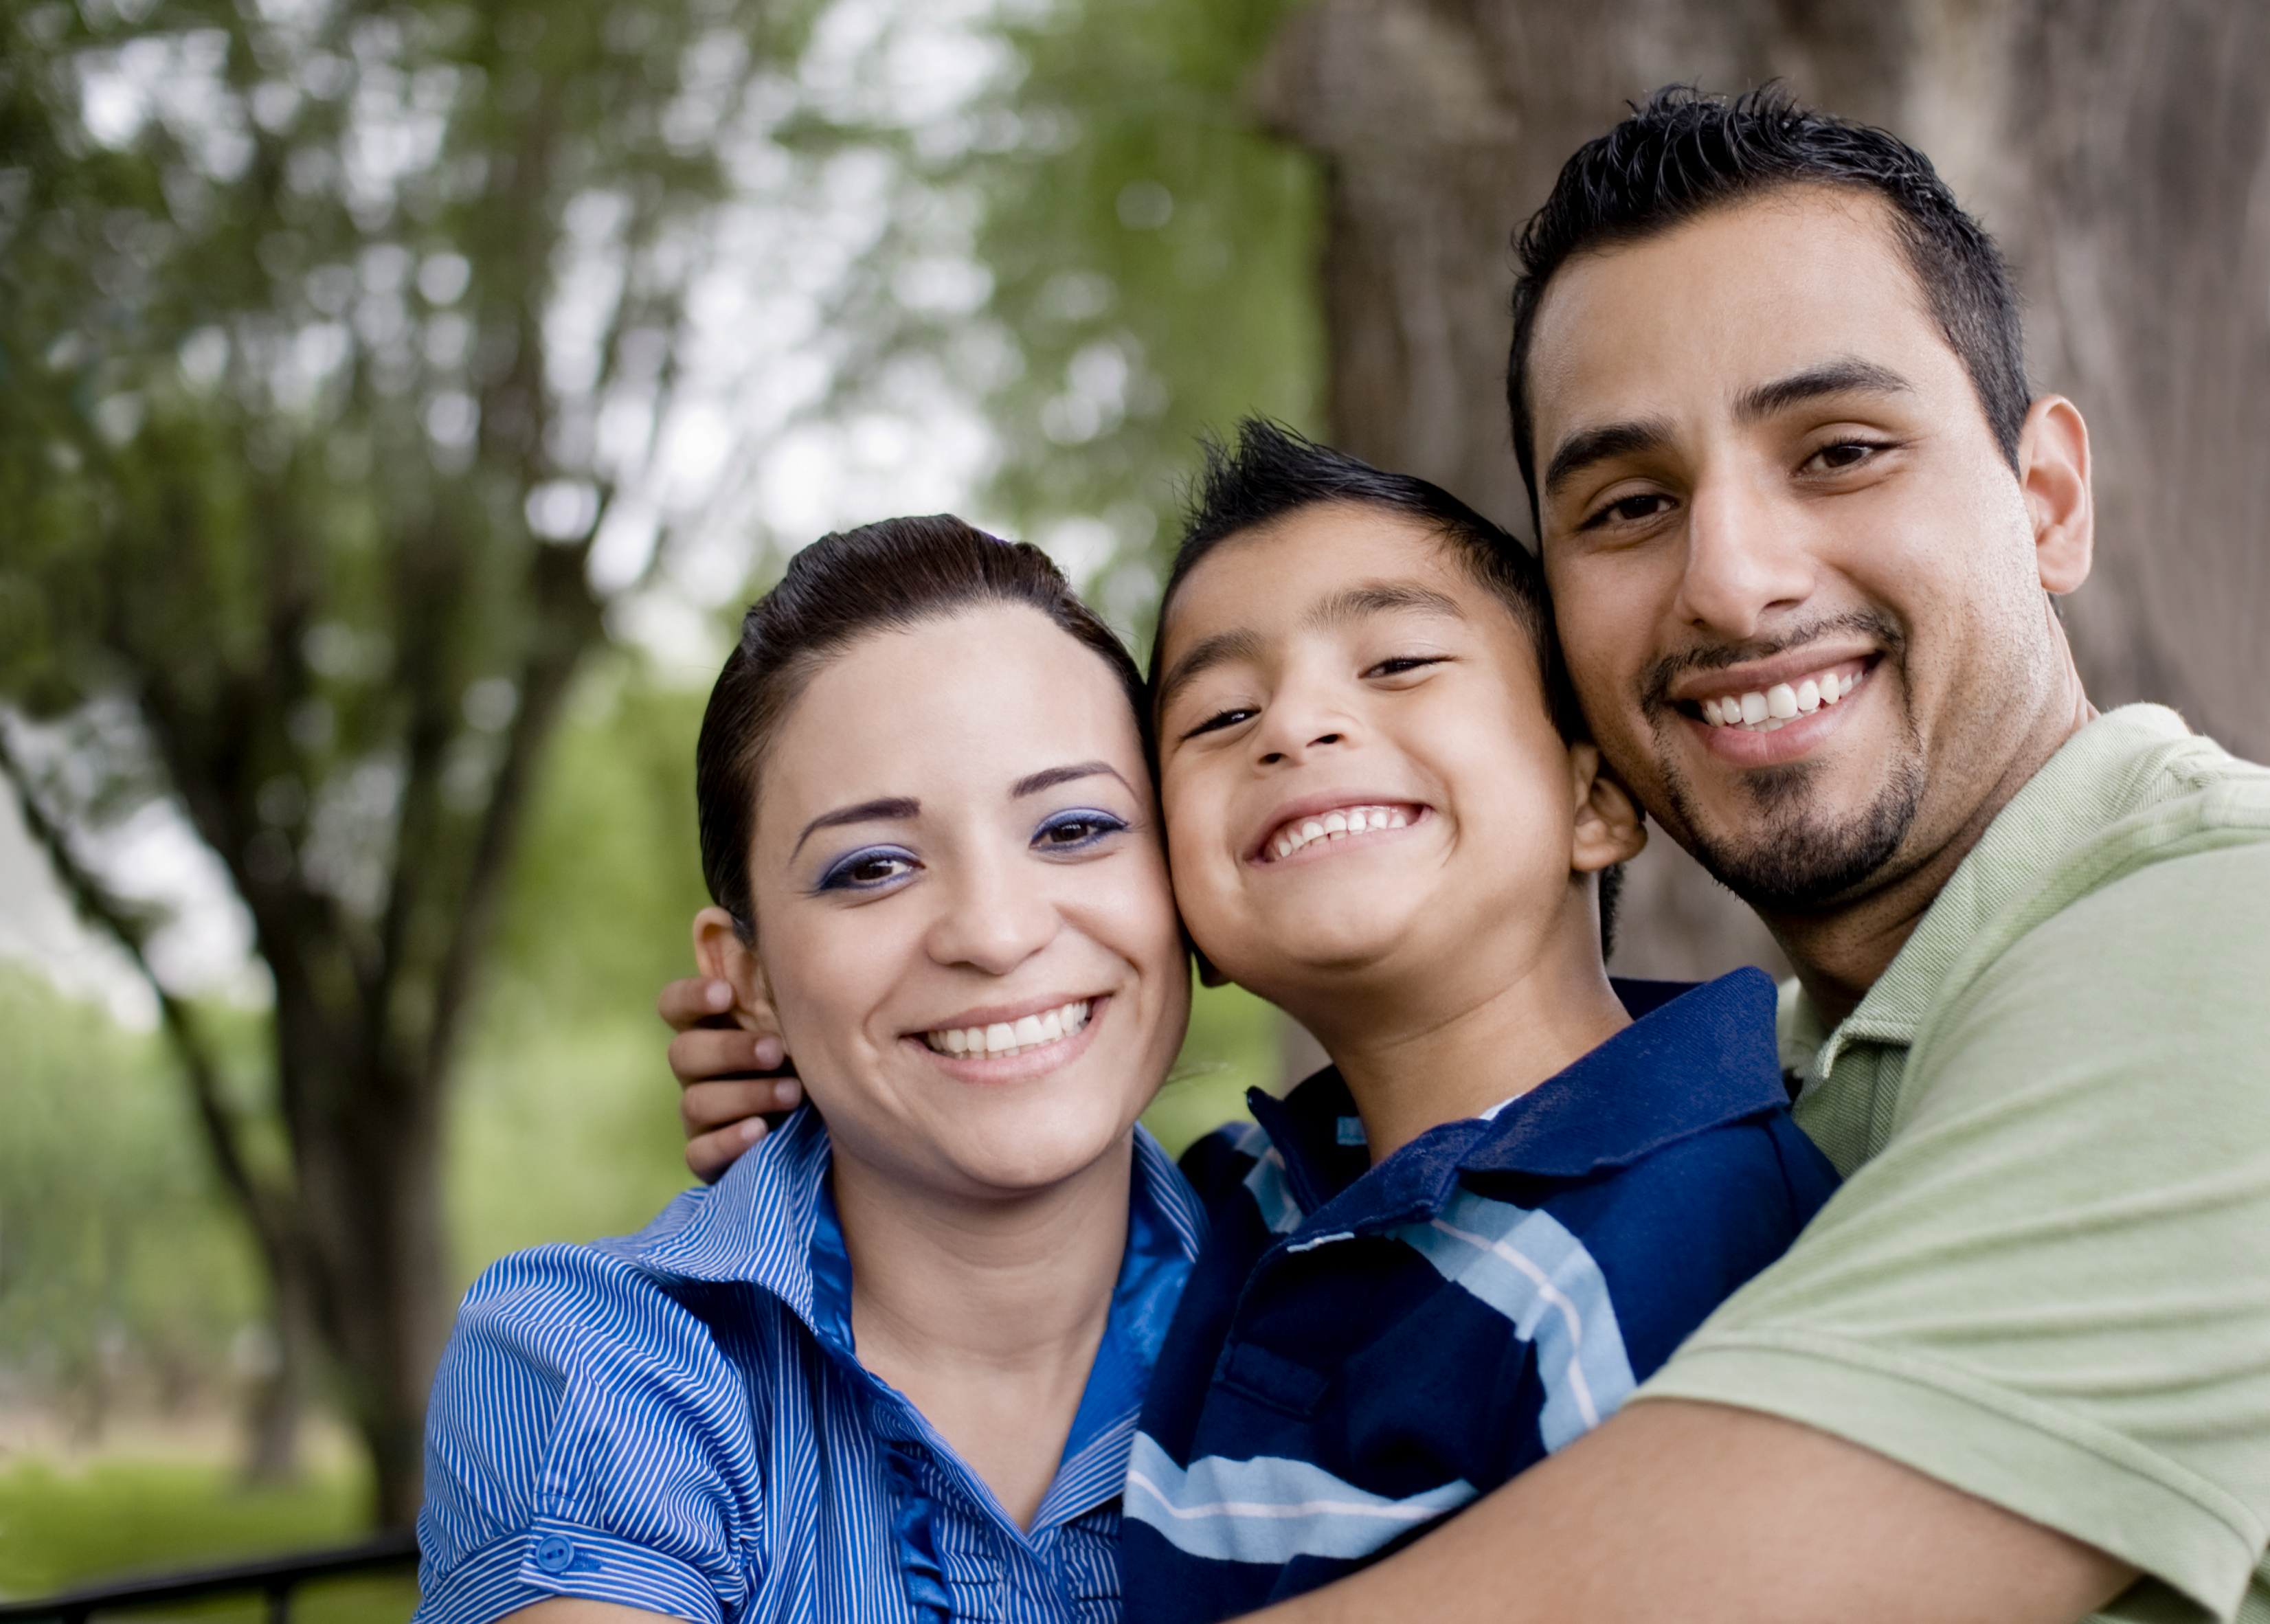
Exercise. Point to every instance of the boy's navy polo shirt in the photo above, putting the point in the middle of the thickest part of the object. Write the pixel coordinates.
(1361, 1351)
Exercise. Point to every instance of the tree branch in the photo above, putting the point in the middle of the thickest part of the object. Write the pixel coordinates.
(129, 927)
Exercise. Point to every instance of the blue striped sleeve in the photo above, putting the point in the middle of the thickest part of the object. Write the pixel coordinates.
(587, 1437)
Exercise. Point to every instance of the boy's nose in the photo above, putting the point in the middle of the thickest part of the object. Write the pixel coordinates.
(1274, 756)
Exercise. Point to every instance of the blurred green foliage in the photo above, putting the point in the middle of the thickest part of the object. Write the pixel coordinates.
(1154, 255)
(1151, 259)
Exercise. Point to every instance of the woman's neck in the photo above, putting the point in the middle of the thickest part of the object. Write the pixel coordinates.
(987, 1315)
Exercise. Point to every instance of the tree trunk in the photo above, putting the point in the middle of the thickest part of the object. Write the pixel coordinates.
(2117, 146)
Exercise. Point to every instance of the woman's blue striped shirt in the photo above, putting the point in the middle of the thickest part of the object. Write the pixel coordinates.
(676, 1422)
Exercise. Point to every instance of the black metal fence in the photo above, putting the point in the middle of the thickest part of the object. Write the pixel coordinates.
(276, 1578)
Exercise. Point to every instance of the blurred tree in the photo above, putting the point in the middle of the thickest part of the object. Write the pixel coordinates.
(2120, 148)
(328, 337)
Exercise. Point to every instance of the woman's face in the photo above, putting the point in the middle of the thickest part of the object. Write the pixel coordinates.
(962, 904)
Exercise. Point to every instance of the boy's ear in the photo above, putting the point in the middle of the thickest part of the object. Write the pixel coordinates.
(1609, 826)
(724, 956)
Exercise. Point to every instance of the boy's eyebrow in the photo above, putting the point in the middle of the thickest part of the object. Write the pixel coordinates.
(890, 808)
(1382, 597)
(1053, 776)
(1374, 598)
(1204, 655)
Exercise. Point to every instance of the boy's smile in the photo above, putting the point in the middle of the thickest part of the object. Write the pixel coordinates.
(1367, 805)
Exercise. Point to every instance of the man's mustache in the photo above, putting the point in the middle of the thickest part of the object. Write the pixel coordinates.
(1874, 624)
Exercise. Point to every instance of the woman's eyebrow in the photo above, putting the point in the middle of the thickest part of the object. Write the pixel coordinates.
(897, 808)
(1053, 776)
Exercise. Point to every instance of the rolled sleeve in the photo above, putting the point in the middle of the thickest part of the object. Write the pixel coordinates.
(587, 1437)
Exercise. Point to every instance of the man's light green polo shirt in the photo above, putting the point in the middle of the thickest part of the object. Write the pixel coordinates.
(2046, 1280)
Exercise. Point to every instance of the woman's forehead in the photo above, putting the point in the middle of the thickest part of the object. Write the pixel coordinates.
(973, 703)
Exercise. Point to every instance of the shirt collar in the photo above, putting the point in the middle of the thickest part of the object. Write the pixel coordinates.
(1688, 1064)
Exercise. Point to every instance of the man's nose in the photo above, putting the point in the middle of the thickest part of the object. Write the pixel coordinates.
(1746, 557)
(992, 916)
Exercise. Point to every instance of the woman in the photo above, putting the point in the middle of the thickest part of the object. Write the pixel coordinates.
(889, 1366)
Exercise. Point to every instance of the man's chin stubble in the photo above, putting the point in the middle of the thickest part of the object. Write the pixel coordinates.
(1800, 860)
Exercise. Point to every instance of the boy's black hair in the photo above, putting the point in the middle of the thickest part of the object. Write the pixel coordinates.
(1270, 472)
(1686, 153)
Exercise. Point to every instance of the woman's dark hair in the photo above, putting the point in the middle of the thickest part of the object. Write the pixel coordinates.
(1686, 153)
(843, 587)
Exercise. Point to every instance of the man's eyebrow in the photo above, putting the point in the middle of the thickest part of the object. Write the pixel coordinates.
(1588, 446)
(1055, 775)
(893, 808)
(1204, 655)
(1376, 598)
(1847, 374)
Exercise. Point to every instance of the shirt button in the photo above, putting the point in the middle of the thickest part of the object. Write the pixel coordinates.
(553, 1554)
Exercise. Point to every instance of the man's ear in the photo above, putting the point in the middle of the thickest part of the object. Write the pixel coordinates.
(724, 956)
(2053, 472)
(1609, 827)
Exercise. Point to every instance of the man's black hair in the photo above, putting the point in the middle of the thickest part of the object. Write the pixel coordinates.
(1686, 153)
(1270, 472)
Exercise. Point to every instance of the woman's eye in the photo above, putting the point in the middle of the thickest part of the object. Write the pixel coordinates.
(1629, 509)
(1221, 719)
(1075, 831)
(865, 871)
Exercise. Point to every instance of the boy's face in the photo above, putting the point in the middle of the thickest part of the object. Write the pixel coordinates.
(1360, 779)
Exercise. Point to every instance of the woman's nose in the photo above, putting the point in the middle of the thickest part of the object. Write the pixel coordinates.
(991, 918)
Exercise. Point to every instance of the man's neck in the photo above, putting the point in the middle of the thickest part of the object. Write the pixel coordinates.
(1451, 1042)
(1839, 953)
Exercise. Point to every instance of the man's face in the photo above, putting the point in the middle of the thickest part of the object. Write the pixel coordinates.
(1795, 578)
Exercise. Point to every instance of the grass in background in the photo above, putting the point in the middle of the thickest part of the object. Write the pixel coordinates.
(61, 1528)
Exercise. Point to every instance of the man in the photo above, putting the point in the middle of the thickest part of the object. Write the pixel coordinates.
(1768, 391)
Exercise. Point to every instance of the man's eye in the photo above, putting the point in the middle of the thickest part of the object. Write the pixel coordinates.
(1629, 510)
(867, 870)
(1221, 719)
(1076, 831)
(1844, 455)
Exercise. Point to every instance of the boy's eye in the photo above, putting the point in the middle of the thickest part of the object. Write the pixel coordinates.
(1221, 719)
(1077, 830)
(1401, 665)
(867, 870)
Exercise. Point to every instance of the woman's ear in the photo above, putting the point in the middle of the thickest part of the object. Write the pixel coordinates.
(724, 956)
(1609, 827)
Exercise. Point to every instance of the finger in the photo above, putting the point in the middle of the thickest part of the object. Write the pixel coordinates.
(702, 1055)
(705, 1106)
(708, 1156)
(694, 1001)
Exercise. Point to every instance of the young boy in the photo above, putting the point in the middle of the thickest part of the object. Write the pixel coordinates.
(1517, 1188)
(1464, 1245)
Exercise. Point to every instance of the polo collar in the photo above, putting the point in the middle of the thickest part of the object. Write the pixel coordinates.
(2108, 769)
(1688, 1064)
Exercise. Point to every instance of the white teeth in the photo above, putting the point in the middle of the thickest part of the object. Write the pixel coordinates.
(1765, 711)
(1003, 1037)
(1336, 825)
